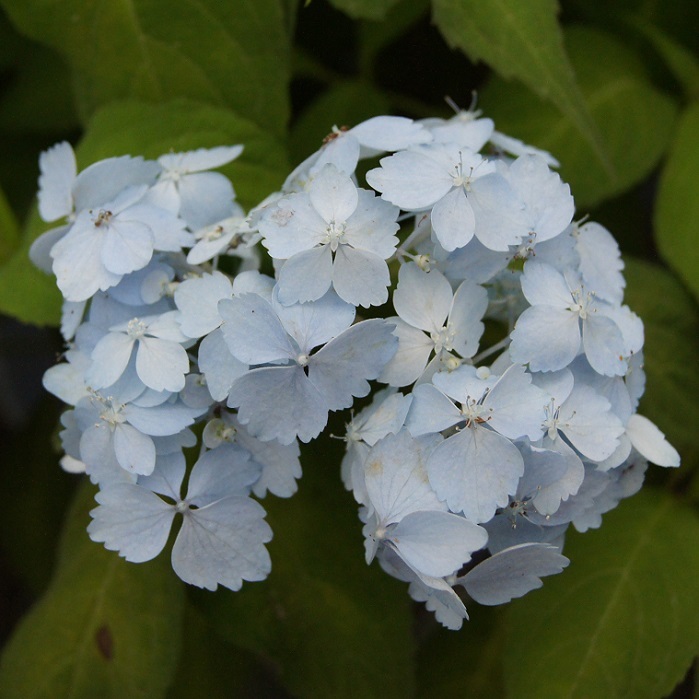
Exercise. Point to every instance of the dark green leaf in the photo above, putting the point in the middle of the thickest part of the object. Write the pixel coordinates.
(39, 96)
(211, 667)
(364, 9)
(682, 63)
(520, 40)
(334, 626)
(232, 54)
(622, 620)
(671, 320)
(9, 230)
(677, 210)
(465, 663)
(635, 119)
(104, 627)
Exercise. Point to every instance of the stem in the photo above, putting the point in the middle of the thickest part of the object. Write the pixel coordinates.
(495, 348)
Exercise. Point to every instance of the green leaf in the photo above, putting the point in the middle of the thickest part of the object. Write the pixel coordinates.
(364, 9)
(677, 209)
(520, 40)
(232, 54)
(9, 230)
(331, 624)
(621, 621)
(635, 119)
(671, 320)
(465, 663)
(104, 627)
(682, 63)
(211, 667)
(137, 128)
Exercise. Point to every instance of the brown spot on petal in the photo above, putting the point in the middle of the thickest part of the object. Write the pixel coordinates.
(104, 642)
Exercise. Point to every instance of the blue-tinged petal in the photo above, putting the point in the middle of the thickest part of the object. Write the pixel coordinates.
(543, 284)
(58, 172)
(218, 365)
(650, 442)
(221, 472)
(198, 300)
(109, 360)
(205, 198)
(497, 212)
(306, 276)
(333, 195)
(413, 179)
(475, 471)
(546, 337)
(410, 359)
(422, 299)
(223, 544)
(453, 221)
(518, 407)
(131, 520)
(161, 364)
(134, 451)
(360, 277)
(468, 307)
(436, 543)
(512, 573)
(396, 479)
(127, 246)
(101, 182)
(77, 264)
(343, 367)
(252, 330)
(431, 411)
(279, 403)
(315, 323)
(604, 345)
(167, 476)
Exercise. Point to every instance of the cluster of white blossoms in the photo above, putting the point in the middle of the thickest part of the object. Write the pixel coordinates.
(506, 381)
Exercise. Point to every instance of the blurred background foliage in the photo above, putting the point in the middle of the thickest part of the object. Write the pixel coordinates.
(610, 88)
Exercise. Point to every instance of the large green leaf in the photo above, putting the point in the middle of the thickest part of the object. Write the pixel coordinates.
(333, 626)
(104, 627)
(683, 65)
(520, 40)
(622, 620)
(636, 120)
(146, 129)
(9, 230)
(137, 128)
(671, 319)
(231, 54)
(677, 210)
(466, 663)
(364, 9)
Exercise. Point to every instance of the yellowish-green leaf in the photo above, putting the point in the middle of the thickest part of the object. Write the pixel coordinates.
(9, 230)
(521, 40)
(635, 119)
(465, 663)
(364, 9)
(677, 209)
(680, 61)
(232, 54)
(621, 621)
(671, 319)
(104, 627)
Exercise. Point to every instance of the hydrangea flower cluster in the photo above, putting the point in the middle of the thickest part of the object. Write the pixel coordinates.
(506, 373)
